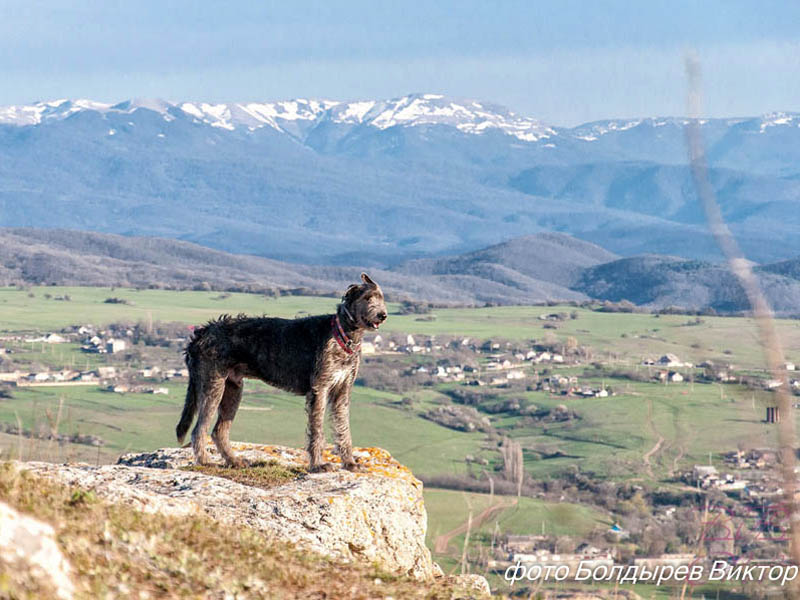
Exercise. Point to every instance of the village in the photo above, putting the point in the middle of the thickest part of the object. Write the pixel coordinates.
(542, 365)
(114, 368)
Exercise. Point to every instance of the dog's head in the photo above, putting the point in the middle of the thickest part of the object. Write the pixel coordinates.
(365, 303)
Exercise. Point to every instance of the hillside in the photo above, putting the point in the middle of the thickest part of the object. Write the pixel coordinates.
(379, 182)
(547, 258)
(663, 281)
(62, 257)
(532, 269)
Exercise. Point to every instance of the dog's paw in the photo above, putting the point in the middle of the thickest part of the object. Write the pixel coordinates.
(354, 467)
(236, 463)
(201, 459)
(322, 468)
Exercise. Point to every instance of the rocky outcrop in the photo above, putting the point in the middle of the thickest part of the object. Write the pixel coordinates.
(377, 516)
(30, 556)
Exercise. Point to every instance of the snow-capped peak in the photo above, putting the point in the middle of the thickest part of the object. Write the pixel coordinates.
(776, 119)
(299, 115)
(468, 116)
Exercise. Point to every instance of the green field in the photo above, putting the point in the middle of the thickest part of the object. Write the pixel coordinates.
(717, 338)
(141, 422)
(446, 510)
(614, 434)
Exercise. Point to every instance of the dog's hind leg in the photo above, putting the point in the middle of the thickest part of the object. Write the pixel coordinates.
(210, 388)
(315, 407)
(231, 397)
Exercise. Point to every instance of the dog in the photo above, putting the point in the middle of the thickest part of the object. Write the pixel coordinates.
(317, 357)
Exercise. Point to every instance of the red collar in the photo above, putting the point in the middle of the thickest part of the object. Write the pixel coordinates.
(345, 343)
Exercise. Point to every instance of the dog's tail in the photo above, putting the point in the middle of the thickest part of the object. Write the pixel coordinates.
(190, 406)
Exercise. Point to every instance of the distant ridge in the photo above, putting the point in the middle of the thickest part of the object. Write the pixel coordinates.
(528, 270)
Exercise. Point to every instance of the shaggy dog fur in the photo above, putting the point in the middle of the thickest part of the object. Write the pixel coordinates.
(302, 356)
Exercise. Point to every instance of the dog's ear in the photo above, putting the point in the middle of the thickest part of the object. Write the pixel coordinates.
(351, 293)
(365, 278)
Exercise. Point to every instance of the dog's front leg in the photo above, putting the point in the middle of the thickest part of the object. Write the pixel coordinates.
(315, 434)
(341, 429)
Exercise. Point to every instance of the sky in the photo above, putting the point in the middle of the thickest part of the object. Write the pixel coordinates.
(564, 62)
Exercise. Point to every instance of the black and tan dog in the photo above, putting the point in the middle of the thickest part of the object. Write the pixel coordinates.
(317, 357)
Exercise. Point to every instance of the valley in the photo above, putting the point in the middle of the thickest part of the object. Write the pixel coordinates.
(455, 394)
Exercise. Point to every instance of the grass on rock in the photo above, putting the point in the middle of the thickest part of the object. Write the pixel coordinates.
(263, 475)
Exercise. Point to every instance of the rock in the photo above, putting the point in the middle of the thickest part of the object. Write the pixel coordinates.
(378, 516)
(30, 556)
(474, 584)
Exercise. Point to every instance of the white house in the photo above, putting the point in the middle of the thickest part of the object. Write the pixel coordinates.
(113, 346)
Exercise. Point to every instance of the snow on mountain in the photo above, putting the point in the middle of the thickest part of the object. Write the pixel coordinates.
(776, 119)
(297, 116)
(433, 109)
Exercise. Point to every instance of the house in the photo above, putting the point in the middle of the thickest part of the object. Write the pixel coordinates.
(114, 345)
(705, 475)
(670, 360)
(107, 371)
(618, 532)
(150, 372)
(524, 543)
(789, 366)
(515, 375)
(675, 377)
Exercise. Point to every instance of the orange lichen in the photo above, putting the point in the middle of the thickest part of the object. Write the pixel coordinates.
(376, 461)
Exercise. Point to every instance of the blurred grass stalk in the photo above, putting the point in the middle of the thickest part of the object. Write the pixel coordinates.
(762, 313)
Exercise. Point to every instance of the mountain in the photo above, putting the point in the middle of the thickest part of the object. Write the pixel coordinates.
(527, 270)
(547, 262)
(62, 257)
(380, 182)
(664, 281)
